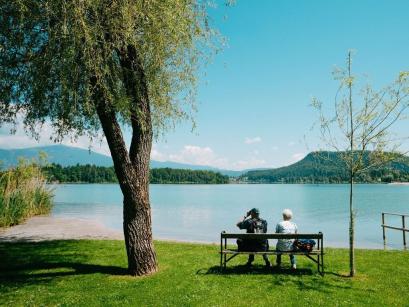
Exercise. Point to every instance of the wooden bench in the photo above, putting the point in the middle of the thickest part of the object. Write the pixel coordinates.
(316, 255)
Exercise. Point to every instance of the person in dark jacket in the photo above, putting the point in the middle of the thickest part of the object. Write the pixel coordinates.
(253, 224)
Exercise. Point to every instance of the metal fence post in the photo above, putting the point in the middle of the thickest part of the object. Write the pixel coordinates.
(383, 228)
(404, 231)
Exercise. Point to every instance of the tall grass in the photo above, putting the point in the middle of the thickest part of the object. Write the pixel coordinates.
(23, 193)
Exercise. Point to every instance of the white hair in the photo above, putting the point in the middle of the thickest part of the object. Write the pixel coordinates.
(287, 214)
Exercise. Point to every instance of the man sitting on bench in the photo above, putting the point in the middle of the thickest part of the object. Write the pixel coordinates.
(254, 224)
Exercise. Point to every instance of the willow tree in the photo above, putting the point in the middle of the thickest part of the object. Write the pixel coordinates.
(83, 65)
(361, 129)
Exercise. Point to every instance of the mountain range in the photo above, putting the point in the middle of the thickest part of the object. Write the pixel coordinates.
(316, 167)
(68, 156)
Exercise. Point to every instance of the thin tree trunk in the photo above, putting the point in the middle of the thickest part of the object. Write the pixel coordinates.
(351, 229)
(351, 177)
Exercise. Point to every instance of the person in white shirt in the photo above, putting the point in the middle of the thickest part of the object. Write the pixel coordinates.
(286, 226)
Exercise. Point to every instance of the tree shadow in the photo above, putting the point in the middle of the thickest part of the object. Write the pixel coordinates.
(33, 263)
(38, 272)
(69, 268)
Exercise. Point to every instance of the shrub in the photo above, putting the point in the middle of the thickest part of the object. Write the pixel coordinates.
(23, 193)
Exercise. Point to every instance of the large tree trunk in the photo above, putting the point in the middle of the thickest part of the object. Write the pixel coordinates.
(132, 169)
(134, 185)
(137, 217)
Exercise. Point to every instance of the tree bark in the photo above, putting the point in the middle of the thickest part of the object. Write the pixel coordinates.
(137, 217)
(132, 169)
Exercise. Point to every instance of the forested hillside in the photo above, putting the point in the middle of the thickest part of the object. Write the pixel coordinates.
(328, 167)
(99, 174)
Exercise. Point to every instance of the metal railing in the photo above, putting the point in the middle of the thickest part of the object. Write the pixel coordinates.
(403, 228)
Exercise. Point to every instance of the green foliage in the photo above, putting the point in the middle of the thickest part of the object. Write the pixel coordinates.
(330, 167)
(55, 55)
(23, 193)
(99, 174)
(169, 175)
(360, 128)
(93, 273)
(80, 173)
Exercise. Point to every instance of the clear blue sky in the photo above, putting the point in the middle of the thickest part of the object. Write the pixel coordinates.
(254, 100)
(280, 54)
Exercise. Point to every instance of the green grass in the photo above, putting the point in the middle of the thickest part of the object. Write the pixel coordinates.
(91, 273)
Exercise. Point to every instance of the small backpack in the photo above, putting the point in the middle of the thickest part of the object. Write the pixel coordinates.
(257, 227)
(304, 245)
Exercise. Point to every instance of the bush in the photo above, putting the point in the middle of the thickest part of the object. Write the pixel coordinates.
(23, 193)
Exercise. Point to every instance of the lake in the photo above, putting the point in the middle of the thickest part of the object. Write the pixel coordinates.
(201, 212)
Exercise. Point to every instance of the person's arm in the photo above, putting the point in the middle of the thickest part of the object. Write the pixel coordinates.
(265, 227)
(241, 223)
(278, 228)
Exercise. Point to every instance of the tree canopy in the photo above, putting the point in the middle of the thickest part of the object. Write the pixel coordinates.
(83, 65)
(55, 53)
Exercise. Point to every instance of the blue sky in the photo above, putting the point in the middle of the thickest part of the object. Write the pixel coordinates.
(254, 100)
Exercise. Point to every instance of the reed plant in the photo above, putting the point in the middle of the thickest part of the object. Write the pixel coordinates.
(23, 193)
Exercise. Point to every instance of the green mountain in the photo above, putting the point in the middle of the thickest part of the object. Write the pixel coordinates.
(328, 167)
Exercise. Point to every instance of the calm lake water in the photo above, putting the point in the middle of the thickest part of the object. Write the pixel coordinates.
(201, 212)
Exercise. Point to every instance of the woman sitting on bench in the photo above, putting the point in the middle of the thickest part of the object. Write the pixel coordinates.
(286, 226)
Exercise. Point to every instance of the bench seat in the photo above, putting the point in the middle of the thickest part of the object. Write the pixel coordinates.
(271, 252)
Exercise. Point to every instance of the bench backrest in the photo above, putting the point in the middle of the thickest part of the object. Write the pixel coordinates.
(264, 236)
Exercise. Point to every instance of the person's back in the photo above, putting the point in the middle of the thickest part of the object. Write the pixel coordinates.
(254, 224)
(286, 227)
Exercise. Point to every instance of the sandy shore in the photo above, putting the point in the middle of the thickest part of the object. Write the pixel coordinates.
(43, 228)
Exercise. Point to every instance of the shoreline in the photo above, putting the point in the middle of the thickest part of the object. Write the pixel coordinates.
(48, 228)
(403, 183)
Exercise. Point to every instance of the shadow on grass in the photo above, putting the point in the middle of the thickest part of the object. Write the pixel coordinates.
(41, 262)
(309, 279)
(61, 269)
(255, 269)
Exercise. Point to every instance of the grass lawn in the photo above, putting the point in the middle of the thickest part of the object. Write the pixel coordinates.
(93, 273)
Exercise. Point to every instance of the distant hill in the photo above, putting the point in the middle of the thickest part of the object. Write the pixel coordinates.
(69, 156)
(327, 167)
(58, 154)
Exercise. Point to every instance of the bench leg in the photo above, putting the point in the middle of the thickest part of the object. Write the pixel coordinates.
(221, 254)
(322, 265)
(322, 256)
